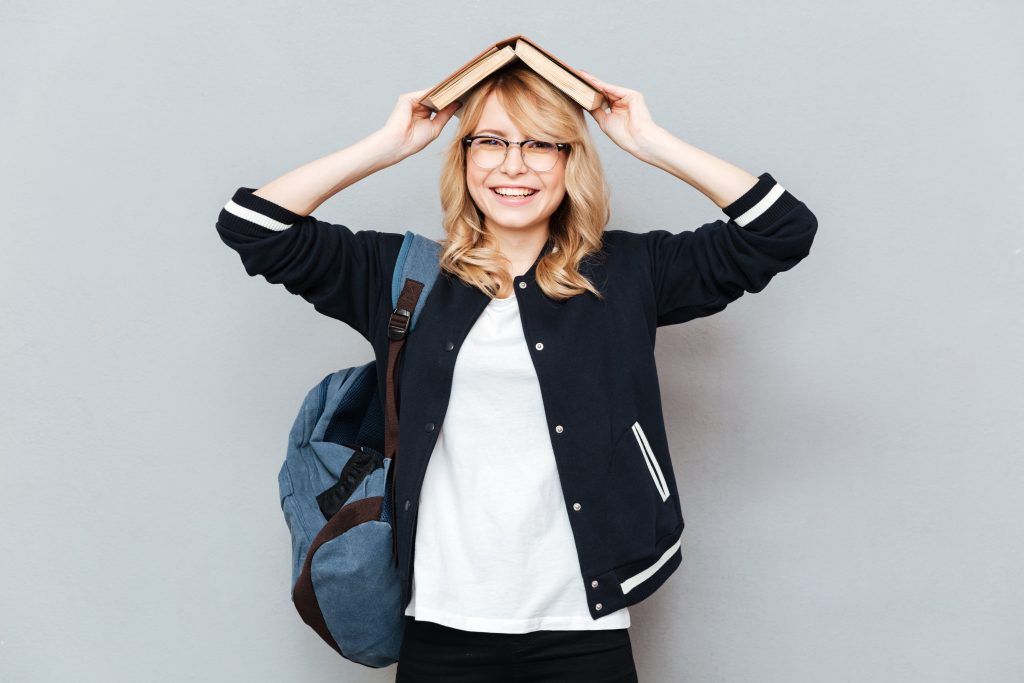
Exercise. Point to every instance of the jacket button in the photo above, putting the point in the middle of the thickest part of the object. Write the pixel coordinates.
(577, 507)
(539, 346)
(593, 584)
(448, 346)
(522, 284)
(598, 607)
(558, 428)
(429, 426)
(407, 504)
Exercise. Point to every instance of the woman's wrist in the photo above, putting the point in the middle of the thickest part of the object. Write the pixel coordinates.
(382, 148)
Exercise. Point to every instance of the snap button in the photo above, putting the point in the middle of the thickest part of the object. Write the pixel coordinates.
(593, 584)
(558, 428)
(577, 507)
(407, 504)
(429, 426)
(539, 346)
(598, 607)
(522, 284)
(448, 346)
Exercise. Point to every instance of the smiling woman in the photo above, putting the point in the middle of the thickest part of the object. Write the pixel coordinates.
(514, 175)
(522, 173)
(488, 151)
(536, 501)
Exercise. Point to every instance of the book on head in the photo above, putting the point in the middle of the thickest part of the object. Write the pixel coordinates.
(461, 81)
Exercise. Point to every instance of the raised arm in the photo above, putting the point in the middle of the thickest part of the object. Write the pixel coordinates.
(698, 272)
(408, 129)
(305, 188)
(345, 274)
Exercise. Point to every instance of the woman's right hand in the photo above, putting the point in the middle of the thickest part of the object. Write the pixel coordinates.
(410, 128)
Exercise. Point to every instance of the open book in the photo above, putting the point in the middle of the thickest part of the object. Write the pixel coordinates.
(458, 84)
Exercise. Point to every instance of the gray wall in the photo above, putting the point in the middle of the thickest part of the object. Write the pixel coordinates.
(847, 441)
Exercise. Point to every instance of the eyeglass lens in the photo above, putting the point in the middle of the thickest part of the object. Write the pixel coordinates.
(489, 152)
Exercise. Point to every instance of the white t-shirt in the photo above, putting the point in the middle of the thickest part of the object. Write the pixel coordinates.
(494, 550)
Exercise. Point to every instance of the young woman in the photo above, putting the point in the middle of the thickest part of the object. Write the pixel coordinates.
(536, 499)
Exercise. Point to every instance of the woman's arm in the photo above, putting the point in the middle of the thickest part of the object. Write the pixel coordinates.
(699, 272)
(305, 188)
(717, 179)
(410, 127)
(344, 273)
(630, 126)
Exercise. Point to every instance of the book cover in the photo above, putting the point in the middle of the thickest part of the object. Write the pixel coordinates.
(458, 84)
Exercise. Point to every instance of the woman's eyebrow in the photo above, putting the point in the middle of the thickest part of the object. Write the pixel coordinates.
(489, 130)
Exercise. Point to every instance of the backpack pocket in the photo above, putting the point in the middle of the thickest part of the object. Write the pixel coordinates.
(652, 462)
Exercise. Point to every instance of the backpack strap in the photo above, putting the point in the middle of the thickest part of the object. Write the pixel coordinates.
(416, 270)
(418, 260)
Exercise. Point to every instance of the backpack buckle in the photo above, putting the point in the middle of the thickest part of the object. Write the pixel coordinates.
(398, 323)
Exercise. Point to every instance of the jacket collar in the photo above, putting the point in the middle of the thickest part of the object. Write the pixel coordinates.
(543, 252)
(482, 299)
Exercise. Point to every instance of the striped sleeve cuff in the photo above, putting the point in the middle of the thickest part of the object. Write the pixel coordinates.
(762, 204)
(246, 212)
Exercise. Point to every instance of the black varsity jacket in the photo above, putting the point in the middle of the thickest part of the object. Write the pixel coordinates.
(594, 359)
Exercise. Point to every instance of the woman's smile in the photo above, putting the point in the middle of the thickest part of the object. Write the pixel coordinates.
(516, 197)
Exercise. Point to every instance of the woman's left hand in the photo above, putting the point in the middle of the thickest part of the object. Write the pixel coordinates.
(629, 123)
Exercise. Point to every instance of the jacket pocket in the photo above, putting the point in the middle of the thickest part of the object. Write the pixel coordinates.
(652, 462)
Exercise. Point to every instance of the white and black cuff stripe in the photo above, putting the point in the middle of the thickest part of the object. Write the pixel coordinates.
(762, 204)
(248, 213)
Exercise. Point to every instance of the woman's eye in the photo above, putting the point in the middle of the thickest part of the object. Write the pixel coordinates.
(542, 145)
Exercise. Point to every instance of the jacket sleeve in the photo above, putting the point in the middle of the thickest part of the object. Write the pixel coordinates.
(699, 272)
(345, 275)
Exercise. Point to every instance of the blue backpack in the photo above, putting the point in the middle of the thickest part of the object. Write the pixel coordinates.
(337, 488)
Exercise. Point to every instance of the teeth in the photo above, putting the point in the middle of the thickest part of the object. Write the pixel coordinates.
(514, 193)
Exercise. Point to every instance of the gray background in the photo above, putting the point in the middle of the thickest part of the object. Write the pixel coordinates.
(847, 442)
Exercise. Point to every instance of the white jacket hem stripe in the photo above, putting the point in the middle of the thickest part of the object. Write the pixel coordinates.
(635, 580)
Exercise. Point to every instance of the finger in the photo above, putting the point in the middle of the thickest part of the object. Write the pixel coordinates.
(616, 90)
(443, 115)
(590, 77)
(415, 96)
(610, 97)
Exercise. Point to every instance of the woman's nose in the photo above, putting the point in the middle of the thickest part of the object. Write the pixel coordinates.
(518, 163)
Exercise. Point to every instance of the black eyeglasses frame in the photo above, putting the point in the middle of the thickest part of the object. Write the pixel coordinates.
(467, 141)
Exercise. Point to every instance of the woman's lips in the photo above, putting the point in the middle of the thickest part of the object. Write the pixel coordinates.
(514, 201)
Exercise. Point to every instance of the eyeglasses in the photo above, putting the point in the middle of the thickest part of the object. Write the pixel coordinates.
(489, 151)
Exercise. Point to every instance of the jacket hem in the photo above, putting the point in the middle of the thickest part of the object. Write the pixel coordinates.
(630, 583)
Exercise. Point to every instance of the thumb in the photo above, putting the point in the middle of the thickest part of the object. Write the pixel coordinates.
(444, 115)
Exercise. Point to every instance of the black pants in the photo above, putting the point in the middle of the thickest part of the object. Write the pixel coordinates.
(433, 653)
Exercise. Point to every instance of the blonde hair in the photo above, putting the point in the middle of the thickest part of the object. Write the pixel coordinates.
(541, 112)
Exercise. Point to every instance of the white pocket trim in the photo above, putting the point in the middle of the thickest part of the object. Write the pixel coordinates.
(652, 462)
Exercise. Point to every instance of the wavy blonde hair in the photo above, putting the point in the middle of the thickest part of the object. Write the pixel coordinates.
(541, 112)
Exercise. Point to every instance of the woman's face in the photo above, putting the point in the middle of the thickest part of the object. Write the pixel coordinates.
(512, 172)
